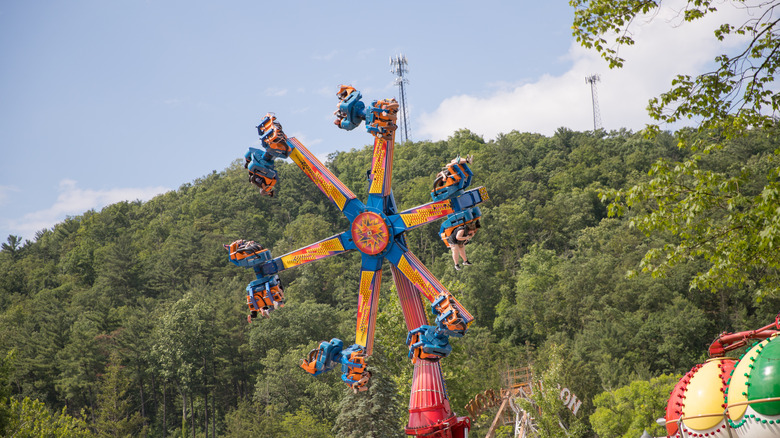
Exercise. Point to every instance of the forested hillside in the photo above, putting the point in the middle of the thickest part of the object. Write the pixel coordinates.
(132, 322)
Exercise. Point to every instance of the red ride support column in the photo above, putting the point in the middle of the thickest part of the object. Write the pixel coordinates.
(430, 414)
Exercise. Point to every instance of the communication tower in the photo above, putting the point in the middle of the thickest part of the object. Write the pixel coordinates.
(592, 79)
(399, 67)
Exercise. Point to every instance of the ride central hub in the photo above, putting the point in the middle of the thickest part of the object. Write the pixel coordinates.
(370, 233)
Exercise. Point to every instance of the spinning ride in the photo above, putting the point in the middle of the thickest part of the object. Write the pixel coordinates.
(378, 231)
(726, 397)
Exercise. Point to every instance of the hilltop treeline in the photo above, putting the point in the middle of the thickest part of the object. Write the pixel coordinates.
(131, 321)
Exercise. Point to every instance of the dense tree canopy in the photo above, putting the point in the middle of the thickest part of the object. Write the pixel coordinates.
(131, 321)
(132, 318)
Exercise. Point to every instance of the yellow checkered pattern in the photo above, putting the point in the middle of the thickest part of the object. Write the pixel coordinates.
(327, 187)
(425, 214)
(379, 167)
(417, 279)
(484, 194)
(364, 310)
(314, 252)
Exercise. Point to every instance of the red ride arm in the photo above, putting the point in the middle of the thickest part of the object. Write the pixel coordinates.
(731, 341)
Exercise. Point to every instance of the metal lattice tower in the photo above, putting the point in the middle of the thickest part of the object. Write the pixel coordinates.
(592, 79)
(399, 68)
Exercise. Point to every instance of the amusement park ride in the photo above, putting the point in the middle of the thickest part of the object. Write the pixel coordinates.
(378, 231)
(726, 397)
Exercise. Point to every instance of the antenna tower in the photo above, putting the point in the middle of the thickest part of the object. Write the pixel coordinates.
(399, 68)
(592, 79)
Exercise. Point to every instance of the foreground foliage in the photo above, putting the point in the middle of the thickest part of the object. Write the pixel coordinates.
(632, 409)
(719, 201)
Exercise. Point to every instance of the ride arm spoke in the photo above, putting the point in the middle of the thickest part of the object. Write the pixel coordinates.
(409, 297)
(425, 282)
(316, 251)
(423, 214)
(432, 211)
(323, 178)
(368, 303)
(382, 167)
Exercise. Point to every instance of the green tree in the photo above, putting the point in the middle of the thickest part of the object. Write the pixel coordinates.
(184, 343)
(719, 205)
(284, 388)
(302, 424)
(133, 343)
(628, 411)
(727, 216)
(38, 339)
(538, 307)
(82, 359)
(13, 246)
(250, 420)
(373, 413)
(294, 325)
(550, 414)
(32, 419)
(114, 416)
(6, 365)
(478, 350)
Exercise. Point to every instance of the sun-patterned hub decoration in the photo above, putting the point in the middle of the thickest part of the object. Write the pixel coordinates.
(370, 233)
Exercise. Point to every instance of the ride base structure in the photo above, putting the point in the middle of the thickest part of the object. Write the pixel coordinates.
(378, 231)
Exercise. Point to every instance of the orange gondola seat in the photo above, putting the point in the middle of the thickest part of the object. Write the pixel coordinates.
(452, 180)
(247, 253)
(264, 295)
(457, 220)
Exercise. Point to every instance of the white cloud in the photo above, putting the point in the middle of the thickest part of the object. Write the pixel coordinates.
(663, 49)
(301, 110)
(326, 91)
(275, 92)
(72, 201)
(365, 53)
(5, 192)
(326, 56)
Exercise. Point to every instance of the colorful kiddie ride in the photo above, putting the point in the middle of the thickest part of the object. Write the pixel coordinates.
(378, 231)
(726, 397)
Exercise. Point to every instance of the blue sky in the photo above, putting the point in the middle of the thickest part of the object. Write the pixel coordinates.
(102, 101)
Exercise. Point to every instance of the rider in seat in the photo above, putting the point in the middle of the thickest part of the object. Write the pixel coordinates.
(448, 175)
(458, 240)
